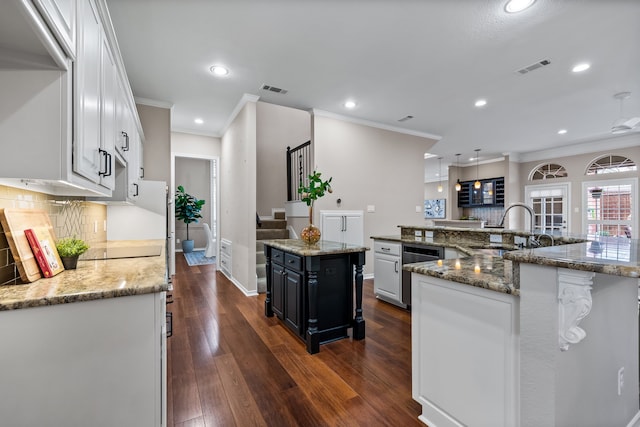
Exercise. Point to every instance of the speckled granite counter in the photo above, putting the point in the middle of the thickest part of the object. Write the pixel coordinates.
(481, 270)
(323, 247)
(618, 257)
(480, 263)
(92, 280)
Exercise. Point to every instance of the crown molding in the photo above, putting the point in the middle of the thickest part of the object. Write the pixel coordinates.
(612, 143)
(153, 102)
(322, 113)
(195, 132)
(246, 98)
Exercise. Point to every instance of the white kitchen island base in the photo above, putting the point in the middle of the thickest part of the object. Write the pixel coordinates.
(465, 354)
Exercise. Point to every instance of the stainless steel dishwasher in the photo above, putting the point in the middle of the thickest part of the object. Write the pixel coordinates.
(416, 253)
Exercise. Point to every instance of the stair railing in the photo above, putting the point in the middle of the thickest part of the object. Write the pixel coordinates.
(298, 169)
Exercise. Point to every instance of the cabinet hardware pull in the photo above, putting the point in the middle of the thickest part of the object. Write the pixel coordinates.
(396, 267)
(103, 152)
(107, 163)
(141, 172)
(136, 193)
(386, 249)
(126, 141)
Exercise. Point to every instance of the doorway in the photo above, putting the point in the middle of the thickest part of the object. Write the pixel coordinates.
(550, 204)
(199, 175)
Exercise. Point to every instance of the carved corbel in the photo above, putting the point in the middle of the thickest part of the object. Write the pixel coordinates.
(574, 304)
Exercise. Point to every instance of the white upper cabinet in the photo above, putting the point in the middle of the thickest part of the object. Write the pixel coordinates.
(65, 99)
(86, 148)
(108, 118)
(60, 16)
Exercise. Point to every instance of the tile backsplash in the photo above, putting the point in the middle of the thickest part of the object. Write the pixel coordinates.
(69, 217)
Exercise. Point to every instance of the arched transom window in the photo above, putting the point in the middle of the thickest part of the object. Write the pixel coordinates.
(611, 164)
(548, 171)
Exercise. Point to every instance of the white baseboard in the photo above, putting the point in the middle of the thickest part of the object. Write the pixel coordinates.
(367, 276)
(239, 285)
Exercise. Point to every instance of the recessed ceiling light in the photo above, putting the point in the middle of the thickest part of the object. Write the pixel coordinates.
(350, 104)
(515, 6)
(219, 70)
(562, 131)
(199, 121)
(481, 103)
(581, 67)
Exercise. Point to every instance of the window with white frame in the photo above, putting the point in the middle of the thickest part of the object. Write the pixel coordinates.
(547, 171)
(611, 164)
(610, 208)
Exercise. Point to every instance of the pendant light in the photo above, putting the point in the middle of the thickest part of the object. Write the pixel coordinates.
(439, 174)
(458, 185)
(477, 184)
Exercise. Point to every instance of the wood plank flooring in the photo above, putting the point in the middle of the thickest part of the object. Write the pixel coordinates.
(229, 365)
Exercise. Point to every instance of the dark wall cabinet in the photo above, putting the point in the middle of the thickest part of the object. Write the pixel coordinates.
(313, 295)
(490, 193)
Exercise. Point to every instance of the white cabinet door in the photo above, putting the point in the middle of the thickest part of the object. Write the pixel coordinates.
(386, 282)
(342, 226)
(108, 122)
(332, 226)
(353, 229)
(133, 164)
(60, 16)
(87, 157)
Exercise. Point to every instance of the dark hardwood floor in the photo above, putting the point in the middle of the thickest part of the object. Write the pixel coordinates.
(229, 365)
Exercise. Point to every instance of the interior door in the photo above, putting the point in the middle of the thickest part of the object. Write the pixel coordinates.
(550, 204)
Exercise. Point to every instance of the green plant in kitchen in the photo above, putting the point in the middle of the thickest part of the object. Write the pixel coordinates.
(188, 210)
(315, 189)
(69, 249)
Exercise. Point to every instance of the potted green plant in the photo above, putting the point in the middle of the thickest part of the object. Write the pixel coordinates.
(315, 189)
(69, 249)
(188, 210)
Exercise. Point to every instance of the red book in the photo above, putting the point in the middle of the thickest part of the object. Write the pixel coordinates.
(44, 250)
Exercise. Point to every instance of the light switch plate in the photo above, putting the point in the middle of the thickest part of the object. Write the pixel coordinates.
(371, 208)
(418, 209)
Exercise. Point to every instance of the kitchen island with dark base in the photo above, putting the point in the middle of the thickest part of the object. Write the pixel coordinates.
(311, 287)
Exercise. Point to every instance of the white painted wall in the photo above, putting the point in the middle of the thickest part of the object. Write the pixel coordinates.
(277, 128)
(371, 166)
(238, 196)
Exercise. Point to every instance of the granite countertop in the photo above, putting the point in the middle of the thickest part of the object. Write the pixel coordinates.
(615, 256)
(323, 247)
(467, 247)
(483, 270)
(92, 280)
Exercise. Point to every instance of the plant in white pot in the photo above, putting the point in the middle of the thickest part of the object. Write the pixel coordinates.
(188, 210)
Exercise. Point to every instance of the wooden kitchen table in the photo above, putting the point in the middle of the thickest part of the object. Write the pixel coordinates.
(311, 287)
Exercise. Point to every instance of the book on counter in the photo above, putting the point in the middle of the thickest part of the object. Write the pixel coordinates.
(44, 250)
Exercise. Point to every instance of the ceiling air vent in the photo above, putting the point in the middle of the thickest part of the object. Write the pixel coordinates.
(274, 89)
(534, 66)
(405, 118)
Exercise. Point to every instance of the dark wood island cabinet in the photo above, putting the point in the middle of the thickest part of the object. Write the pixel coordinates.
(311, 289)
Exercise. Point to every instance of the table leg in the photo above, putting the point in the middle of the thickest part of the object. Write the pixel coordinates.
(313, 338)
(358, 322)
(268, 308)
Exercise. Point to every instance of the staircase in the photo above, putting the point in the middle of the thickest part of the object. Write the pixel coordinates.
(268, 229)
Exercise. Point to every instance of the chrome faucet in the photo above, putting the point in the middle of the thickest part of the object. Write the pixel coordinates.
(522, 205)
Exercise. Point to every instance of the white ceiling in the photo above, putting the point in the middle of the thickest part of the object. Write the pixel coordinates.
(427, 58)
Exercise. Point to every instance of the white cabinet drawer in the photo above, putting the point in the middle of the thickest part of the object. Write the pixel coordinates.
(389, 248)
